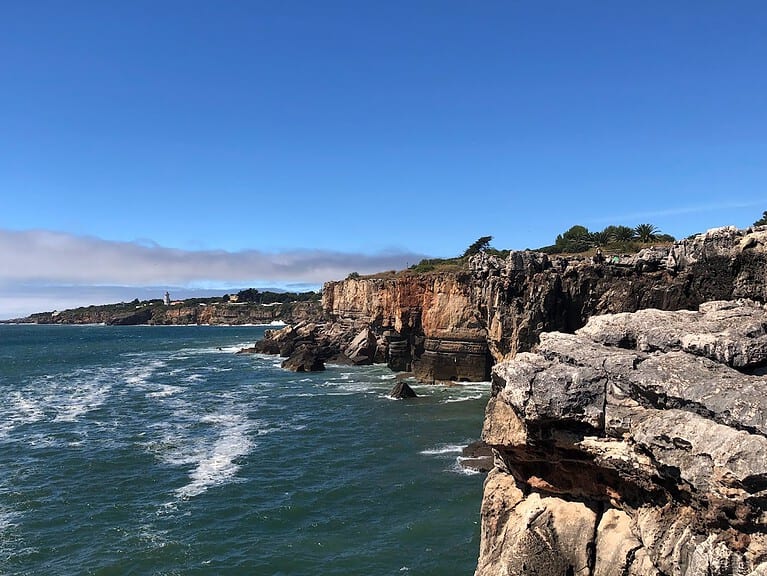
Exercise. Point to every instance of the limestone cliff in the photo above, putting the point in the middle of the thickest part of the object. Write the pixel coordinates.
(634, 447)
(431, 319)
(455, 326)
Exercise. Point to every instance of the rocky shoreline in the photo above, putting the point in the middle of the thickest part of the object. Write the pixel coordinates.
(180, 314)
(627, 423)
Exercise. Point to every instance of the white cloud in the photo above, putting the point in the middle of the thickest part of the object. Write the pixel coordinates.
(36, 265)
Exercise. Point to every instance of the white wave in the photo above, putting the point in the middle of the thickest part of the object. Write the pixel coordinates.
(217, 465)
(444, 449)
(462, 399)
(458, 469)
(165, 391)
(139, 376)
(83, 399)
(232, 349)
(24, 410)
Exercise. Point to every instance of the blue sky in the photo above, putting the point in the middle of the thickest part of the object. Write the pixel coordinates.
(345, 136)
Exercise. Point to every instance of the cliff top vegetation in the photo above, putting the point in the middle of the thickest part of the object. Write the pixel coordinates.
(577, 239)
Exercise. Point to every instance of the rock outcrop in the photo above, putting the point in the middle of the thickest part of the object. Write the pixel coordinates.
(402, 390)
(635, 446)
(425, 323)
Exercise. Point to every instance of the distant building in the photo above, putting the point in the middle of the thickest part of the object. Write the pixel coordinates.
(166, 298)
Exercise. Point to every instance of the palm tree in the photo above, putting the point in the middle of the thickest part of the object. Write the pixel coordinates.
(602, 238)
(620, 234)
(646, 232)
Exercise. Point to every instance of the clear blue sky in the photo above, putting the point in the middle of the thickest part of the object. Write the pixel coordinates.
(401, 127)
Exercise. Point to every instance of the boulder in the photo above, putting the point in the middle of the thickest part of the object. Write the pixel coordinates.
(362, 350)
(402, 390)
(304, 359)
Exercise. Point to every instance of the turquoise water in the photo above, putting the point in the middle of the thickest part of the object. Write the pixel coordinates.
(157, 450)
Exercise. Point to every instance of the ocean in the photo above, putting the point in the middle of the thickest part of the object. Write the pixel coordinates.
(157, 450)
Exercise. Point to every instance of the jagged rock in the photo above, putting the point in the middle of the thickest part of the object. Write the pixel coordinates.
(304, 359)
(402, 390)
(733, 333)
(362, 350)
(650, 443)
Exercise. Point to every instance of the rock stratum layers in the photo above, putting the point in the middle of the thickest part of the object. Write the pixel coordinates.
(636, 446)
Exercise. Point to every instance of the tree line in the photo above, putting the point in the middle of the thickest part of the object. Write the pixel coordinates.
(580, 239)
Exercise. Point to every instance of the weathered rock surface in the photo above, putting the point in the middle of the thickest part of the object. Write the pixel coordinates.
(636, 446)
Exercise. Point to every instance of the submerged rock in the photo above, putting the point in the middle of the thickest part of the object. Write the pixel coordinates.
(635, 446)
(477, 456)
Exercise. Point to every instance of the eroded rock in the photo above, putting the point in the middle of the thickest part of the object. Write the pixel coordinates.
(648, 442)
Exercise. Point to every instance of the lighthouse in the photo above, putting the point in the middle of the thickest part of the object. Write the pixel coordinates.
(166, 298)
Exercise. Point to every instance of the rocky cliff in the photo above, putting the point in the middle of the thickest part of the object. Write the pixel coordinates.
(427, 323)
(159, 314)
(635, 446)
(455, 326)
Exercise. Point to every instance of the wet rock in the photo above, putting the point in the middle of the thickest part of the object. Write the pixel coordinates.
(402, 390)
(304, 359)
(477, 456)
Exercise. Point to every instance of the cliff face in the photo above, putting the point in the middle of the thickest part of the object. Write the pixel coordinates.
(428, 323)
(634, 447)
(529, 293)
(455, 326)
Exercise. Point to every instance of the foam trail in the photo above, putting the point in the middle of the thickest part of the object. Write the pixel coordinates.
(464, 399)
(83, 400)
(444, 449)
(217, 465)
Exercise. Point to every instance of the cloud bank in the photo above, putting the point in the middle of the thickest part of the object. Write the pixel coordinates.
(35, 265)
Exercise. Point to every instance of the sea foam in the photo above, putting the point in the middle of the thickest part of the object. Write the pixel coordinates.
(216, 465)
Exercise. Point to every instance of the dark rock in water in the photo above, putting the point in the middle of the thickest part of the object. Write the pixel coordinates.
(402, 390)
(304, 360)
(477, 456)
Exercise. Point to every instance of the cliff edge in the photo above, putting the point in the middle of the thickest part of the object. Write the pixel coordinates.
(455, 326)
(635, 446)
